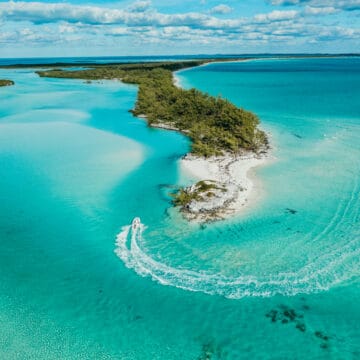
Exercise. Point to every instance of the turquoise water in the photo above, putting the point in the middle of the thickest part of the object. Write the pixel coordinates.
(76, 167)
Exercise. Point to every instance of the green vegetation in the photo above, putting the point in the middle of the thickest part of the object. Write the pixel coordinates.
(213, 124)
(6, 82)
(200, 191)
(183, 198)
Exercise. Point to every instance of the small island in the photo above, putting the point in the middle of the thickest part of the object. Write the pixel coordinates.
(4, 82)
(225, 140)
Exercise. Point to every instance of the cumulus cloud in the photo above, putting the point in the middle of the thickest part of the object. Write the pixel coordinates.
(40, 13)
(276, 15)
(118, 31)
(221, 9)
(142, 23)
(66, 28)
(309, 10)
(347, 5)
(140, 6)
(288, 2)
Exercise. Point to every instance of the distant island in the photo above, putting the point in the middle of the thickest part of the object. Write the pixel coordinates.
(4, 82)
(220, 132)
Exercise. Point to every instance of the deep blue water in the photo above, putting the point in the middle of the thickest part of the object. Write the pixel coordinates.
(105, 59)
(115, 59)
(76, 167)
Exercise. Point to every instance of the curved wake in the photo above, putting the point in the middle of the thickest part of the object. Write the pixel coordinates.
(314, 277)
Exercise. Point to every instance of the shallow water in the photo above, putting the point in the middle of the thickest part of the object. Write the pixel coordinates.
(76, 167)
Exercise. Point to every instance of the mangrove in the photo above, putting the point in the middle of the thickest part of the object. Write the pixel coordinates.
(4, 82)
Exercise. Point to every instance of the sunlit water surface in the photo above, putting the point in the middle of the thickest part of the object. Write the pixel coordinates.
(280, 281)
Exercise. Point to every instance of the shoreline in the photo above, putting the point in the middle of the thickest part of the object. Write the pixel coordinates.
(234, 173)
(232, 178)
(177, 81)
(6, 83)
(224, 185)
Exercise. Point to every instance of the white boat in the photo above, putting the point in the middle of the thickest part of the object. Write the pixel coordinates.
(135, 223)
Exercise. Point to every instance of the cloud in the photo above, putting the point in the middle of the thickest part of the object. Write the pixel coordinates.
(40, 13)
(350, 5)
(140, 23)
(346, 5)
(66, 28)
(309, 10)
(221, 9)
(119, 31)
(288, 2)
(276, 15)
(140, 6)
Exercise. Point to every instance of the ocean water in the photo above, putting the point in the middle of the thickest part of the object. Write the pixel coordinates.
(119, 59)
(280, 281)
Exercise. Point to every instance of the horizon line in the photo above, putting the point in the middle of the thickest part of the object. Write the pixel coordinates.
(185, 55)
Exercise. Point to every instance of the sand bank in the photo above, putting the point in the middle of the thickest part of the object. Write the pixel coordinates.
(233, 175)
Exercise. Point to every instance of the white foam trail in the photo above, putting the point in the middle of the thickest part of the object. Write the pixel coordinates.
(311, 278)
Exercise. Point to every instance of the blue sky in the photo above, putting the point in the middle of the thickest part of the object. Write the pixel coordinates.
(154, 27)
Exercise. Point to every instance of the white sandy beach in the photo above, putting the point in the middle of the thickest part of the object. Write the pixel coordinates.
(235, 173)
(176, 80)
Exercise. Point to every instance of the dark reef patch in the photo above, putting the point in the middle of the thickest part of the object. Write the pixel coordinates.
(301, 327)
(210, 351)
(285, 315)
(297, 136)
(321, 335)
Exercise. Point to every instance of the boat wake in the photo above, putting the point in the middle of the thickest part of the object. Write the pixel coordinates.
(314, 277)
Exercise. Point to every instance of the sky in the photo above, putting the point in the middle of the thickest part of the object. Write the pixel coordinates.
(177, 27)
